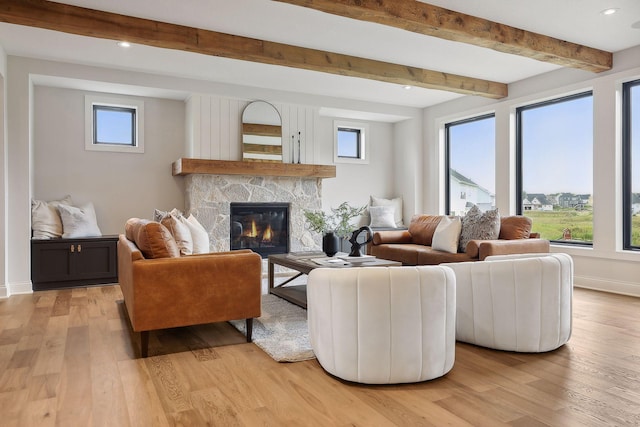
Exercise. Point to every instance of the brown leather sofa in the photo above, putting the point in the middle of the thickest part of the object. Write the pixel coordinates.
(164, 290)
(413, 246)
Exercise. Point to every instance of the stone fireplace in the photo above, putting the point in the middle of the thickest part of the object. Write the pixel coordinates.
(209, 198)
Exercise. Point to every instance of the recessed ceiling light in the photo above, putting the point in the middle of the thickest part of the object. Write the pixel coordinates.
(124, 44)
(406, 87)
(610, 11)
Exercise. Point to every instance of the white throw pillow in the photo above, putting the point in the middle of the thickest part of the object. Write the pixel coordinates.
(199, 235)
(79, 221)
(45, 218)
(180, 232)
(396, 203)
(382, 216)
(447, 235)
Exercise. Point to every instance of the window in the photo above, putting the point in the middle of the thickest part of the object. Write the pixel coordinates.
(555, 167)
(470, 158)
(631, 164)
(114, 124)
(350, 143)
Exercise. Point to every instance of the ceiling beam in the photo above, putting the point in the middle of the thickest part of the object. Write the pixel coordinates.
(435, 21)
(106, 25)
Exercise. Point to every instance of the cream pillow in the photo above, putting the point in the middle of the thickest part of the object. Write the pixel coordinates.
(79, 221)
(382, 216)
(198, 233)
(447, 235)
(45, 218)
(180, 233)
(396, 203)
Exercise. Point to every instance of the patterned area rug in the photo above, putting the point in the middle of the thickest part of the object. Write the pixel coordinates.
(281, 331)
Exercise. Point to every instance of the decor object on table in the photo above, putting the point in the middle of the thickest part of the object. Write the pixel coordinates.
(399, 328)
(355, 245)
(515, 302)
(338, 222)
(281, 330)
(415, 245)
(330, 243)
(162, 289)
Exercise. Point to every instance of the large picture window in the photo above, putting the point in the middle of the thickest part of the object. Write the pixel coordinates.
(555, 167)
(470, 159)
(631, 163)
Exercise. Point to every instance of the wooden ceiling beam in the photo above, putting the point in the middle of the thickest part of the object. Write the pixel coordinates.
(423, 18)
(106, 25)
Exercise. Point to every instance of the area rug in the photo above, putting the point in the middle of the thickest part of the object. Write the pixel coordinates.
(281, 331)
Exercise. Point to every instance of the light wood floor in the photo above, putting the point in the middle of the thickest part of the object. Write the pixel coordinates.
(67, 359)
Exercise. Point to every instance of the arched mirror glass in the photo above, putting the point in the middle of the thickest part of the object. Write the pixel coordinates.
(261, 133)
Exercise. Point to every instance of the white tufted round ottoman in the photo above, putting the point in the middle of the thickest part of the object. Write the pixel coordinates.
(383, 325)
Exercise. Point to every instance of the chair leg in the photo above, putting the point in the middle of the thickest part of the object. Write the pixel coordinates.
(144, 343)
(249, 328)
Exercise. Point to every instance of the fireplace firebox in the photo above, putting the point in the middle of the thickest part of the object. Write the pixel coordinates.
(262, 227)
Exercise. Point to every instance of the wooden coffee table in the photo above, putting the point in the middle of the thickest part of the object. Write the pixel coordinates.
(297, 294)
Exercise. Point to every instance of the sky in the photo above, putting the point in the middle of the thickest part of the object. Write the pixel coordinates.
(557, 149)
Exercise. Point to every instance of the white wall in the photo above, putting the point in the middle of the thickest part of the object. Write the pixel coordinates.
(605, 266)
(120, 185)
(4, 289)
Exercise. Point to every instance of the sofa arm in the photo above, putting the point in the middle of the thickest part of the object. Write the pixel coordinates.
(391, 236)
(505, 247)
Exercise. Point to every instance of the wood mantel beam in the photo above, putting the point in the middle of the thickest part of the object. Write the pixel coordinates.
(94, 23)
(435, 21)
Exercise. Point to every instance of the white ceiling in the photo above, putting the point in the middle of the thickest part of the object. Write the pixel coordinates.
(577, 21)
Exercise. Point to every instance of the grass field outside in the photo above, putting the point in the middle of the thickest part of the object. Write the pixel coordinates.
(551, 225)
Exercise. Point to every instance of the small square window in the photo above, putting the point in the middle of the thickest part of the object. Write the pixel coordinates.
(114, 124)
(350, 143)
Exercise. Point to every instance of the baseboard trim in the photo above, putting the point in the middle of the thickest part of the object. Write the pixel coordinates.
(607, 285)
(20, 288)
(4, 292)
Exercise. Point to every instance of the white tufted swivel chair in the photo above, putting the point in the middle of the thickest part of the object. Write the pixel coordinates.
(515, 302)
(383, 325)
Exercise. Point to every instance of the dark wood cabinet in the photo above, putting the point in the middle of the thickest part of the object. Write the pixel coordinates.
(65, 263)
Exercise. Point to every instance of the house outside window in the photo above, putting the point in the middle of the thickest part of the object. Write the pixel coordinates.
(631, 164)
(114, 124)
(350, 142)
(554, 144)
(470, 162)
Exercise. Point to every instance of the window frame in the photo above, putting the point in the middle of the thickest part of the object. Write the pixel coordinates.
(519, 152)
(447, 154)
(363, 128)
(117, 103)
(627, 166)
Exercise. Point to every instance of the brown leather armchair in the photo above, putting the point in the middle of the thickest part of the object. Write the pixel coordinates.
(174, 291)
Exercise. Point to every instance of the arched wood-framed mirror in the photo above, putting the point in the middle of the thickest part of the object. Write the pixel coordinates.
(261, 133)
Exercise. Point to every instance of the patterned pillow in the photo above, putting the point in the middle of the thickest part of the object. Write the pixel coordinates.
(479, 226)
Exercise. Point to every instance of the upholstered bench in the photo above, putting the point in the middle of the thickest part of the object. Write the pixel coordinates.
(515, 302)
(383, 325)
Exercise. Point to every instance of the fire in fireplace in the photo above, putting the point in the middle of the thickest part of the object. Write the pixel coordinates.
(262, 227)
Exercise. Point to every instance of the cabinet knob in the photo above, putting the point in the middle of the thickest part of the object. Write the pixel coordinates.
(79, 248)
(73, 248)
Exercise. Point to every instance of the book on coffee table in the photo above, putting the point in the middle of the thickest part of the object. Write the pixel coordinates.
(358, 259)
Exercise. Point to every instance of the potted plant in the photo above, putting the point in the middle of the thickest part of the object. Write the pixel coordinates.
(333, 226)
